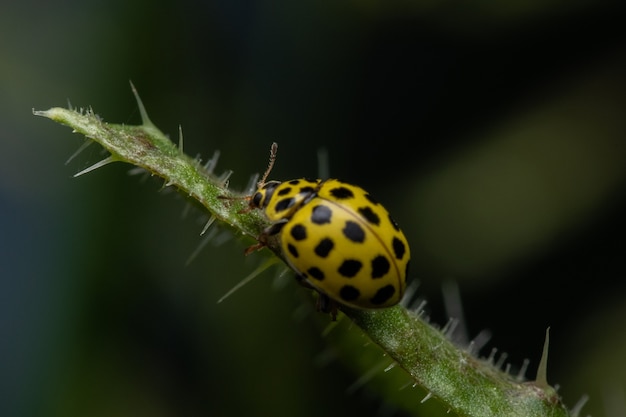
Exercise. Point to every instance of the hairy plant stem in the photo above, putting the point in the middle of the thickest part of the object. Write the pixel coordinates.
(467, 385)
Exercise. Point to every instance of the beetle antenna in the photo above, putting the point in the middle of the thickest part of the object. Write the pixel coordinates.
(270, 165)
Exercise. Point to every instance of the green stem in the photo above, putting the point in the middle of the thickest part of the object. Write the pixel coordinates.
(467, 385)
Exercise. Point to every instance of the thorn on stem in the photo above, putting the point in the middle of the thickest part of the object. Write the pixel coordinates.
(78, 151)
(145, 120)
(97, 165)
(542, 371)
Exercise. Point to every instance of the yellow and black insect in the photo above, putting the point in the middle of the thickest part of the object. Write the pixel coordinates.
(337, 238)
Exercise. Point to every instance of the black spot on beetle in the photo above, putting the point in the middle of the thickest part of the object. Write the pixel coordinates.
(321, 214)
(398, 248)
(298, 232)
(380, 266)
(349, 293)
(349, 268)
(293, 250)
(316, 273)
(354, 232)
(324, 247)
(342, 193)
(307, 189)
(284, 191)
(383, 295)
(284, 204)
(369, 215)
(294, 182)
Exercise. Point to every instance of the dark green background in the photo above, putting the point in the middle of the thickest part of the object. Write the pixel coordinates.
(495, 134)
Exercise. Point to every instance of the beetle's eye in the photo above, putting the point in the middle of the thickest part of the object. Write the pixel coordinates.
(256, 200)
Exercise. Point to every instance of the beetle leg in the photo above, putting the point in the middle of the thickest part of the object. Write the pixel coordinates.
(270, 230)
(327, 305)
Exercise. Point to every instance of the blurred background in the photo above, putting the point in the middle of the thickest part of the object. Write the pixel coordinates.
(495, 134)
